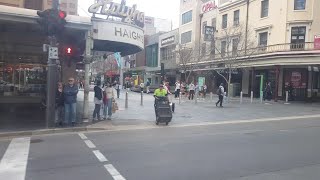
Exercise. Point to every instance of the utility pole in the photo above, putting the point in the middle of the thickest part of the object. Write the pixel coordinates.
(51, 76)
(87, 61)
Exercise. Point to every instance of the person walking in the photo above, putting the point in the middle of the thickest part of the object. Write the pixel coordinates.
(70, 93)
(59, 108)
(98, 95)
(220, 93)
(191, 91)
(117, 87)
(268, 92)
(204, 91)
(177, 89)
(148, 86)
(107, 101)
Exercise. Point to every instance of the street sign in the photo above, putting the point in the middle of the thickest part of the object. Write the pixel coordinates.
(209, 33)
(53, 53)
(317, 42)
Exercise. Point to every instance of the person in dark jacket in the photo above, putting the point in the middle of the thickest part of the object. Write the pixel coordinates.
(268, 92)
(70, 102)
(59, 105)
(97, 101)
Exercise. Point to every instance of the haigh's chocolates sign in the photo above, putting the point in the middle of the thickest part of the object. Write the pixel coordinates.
(128, 14)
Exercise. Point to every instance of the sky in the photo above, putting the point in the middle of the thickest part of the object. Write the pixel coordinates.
(164, 9)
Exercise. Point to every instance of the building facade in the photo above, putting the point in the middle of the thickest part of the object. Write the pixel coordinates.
(70, 6)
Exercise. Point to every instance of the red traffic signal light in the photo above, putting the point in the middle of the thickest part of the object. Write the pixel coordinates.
(69, 50)
(62, 14)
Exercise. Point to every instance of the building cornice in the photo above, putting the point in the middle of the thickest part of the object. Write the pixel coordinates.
(228, 5)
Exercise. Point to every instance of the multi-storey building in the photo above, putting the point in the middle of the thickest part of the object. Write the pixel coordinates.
(70, 6)
(279, 44)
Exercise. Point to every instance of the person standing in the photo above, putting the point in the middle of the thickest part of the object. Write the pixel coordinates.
(148, 86)
(268, 92)
(107, 102)
(177, 90)
(191, 91)
(220, 93)
(141, 86)
(98, 95)
(70, 93)
(59, 105)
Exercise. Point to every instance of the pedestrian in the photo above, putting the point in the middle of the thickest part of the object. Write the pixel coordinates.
(107, 102)
(98, 95)
(141, 86)
(117, 87)
(177, 89)
(191, 91)
(220, 93)
(268, 92)
(197, 90)
(59, 105)
(148, 86)
(167, 87)
(204, 91)
(70, 93)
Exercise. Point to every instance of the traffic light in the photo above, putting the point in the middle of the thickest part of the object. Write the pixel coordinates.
(52, 21)
(69, 51)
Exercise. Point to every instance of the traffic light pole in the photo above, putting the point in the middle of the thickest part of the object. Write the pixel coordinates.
(51, 80)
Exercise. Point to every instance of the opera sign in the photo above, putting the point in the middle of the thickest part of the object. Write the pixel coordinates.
(128, 14)
(209, 6)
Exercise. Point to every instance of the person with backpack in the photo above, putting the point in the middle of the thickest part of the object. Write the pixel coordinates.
(220, 93)
(97, 101)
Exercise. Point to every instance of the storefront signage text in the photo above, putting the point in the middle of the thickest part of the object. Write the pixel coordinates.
(127, 33)
(128, 14)
(168, 40)
(209, 6)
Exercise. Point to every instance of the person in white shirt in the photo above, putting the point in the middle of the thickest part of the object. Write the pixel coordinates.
(141, 86)
(221, 94)
(107, 101)
(191, 91)
(177, 89)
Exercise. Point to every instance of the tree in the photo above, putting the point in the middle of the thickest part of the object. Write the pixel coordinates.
(232, 47)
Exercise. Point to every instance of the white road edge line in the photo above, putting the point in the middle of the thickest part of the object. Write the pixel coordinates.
(82, 136)
(14, 162)
(114, 172)
(90, 144)
(100, 156)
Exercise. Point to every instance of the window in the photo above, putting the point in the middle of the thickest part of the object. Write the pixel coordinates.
(203, 49)
(33, 4)
(223, 48)
(299, 4)
(236, 17)
(204, 24)
(187, 17)
(186, 37)
(298, 37)
(214, 23)
(167, 53)
(72, 5)
(213, 48)
(235, 43)
(263, 39)
(224, 21)
(264, 8)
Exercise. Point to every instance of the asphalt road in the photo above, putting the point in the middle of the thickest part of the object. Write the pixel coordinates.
(282, 150)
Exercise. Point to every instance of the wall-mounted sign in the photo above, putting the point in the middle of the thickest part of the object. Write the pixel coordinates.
(209, 6)
(317, 42)
(168, 40)
(128, 14)
(209, 33)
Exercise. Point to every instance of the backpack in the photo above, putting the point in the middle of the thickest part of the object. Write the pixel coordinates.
(218, 91)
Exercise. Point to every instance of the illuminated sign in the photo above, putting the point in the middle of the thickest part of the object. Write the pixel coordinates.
(128, 14)
(209, 6)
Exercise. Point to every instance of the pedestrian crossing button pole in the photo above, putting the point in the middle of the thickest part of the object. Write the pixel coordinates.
(251, 97)
(261, 97)
(180, 98)
(126, 101)
(241, 97)
(211, 96)
(287, 98)
(141, 98)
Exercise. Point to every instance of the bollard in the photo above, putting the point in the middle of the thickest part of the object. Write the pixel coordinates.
(141, 98)
(251, 97)
(287, 97)
(126, 102)
(241, 97)
(261, 97)
(196, 98)
(211, 96)
(180, 98)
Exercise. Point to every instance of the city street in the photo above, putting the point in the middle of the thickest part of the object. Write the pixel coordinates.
(284, 150)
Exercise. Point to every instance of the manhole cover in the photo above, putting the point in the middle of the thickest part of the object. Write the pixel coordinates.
(36, 141)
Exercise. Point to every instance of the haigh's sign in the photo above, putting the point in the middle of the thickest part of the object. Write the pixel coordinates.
(128, 14)
(209, 6)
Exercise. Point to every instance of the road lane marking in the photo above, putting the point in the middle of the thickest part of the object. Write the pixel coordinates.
(82, 136)
(90, 144)
(114, 172)
(100, 156)
(13, 164)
